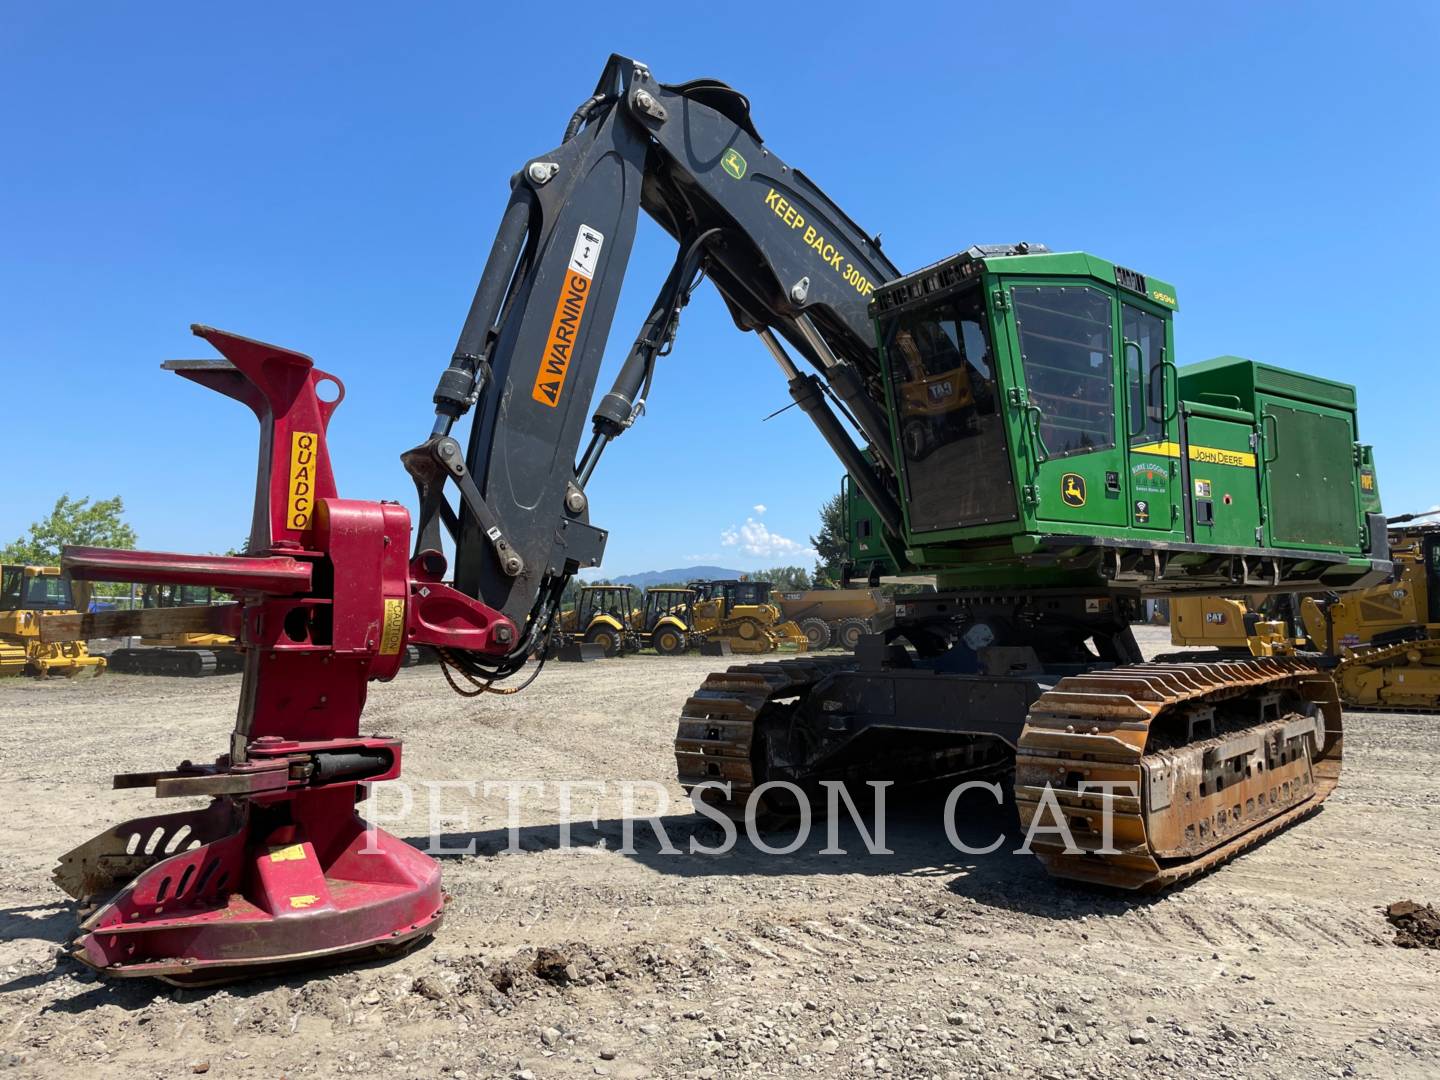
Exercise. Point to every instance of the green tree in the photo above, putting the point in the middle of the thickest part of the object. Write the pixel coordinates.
(74, 522)
(784, 577)
(831, 544)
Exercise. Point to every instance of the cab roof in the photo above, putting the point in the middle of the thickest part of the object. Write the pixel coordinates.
(929, 282)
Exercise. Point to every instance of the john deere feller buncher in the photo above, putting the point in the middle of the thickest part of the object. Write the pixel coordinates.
(1095, 471)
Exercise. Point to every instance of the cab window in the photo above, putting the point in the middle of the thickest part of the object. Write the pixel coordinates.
(1066, 350)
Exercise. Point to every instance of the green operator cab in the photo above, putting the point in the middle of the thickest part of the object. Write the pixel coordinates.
(1045, 435)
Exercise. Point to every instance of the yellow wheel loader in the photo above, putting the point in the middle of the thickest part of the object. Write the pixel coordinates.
(742, 614)
(27, 593)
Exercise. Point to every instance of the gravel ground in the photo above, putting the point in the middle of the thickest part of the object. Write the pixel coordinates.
(554, 963)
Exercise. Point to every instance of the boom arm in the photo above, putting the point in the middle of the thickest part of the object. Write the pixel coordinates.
(790, 265)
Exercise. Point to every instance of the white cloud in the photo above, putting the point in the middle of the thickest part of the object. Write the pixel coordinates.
(755, 538)
(759, 508)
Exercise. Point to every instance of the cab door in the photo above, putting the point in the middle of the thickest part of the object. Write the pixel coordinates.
(1150, 415)
(1066, 354)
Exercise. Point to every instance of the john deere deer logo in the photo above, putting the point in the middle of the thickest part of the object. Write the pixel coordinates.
(1072, 489)
(733, 164)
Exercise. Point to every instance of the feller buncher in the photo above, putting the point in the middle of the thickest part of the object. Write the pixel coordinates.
(742, 614)
(1382, 642)
(27, 595)
(1097, 472)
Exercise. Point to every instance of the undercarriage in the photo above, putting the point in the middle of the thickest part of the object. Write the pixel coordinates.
(1129, 774)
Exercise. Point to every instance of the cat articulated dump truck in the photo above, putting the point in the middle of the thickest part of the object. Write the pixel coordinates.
(1383, 643)
(837, 616)
(1078, 469)
(27, 595)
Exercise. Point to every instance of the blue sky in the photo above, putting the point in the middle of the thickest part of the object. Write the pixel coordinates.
(329, 178)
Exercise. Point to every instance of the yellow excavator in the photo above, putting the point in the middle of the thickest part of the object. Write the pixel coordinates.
(1385, 640)
(192, 653)
(26, 594)
(742, 614)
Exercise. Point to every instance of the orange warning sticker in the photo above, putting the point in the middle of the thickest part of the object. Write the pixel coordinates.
(569, 313)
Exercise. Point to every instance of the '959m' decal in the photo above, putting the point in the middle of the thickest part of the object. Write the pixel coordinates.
(569, 312)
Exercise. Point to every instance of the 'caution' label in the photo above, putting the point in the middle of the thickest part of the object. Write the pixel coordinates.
(393, 629)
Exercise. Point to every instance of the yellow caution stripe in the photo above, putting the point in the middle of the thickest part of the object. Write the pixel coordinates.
(1209, 455)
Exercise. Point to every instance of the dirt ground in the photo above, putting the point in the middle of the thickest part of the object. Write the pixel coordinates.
(920, 963)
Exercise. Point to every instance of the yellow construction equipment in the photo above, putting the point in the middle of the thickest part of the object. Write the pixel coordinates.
(837, 616)
(26, 594)
(1387, 636)
(606, 616)
(1384, 640)
(742, 614)
(192, 654)
(1251, 627)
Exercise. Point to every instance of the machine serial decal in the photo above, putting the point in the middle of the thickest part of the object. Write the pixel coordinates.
(569, 313)
(302, 479)
(733, 164)
(1072, 489)
(829, 254)
(393, 626)
(1208, 455)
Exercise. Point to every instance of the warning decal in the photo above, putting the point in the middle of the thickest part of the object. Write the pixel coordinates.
(569, 313)
(393, 628)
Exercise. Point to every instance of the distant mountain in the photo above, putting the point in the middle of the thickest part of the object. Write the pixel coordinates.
(675, 577)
